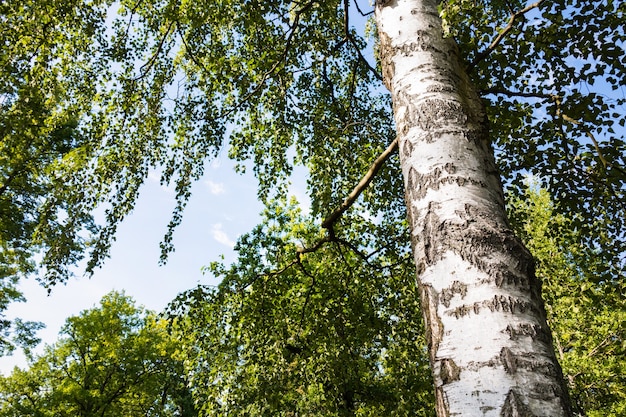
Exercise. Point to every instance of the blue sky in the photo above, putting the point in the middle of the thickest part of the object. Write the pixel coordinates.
(222, 207)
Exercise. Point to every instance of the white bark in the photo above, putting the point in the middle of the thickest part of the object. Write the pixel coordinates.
(490, 347)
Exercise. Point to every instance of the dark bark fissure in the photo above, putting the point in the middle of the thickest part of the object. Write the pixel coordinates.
(419, 184)
(434, 327)
(530, 330)
(474, 239)
(514, 406)
(449, 372)
(449, 293)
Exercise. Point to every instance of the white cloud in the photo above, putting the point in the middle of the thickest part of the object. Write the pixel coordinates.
(215, 188)
(154, 178)
(221, 237)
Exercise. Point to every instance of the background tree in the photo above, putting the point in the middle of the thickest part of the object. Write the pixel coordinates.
(333, 332)
(585, 305)
(113, 360)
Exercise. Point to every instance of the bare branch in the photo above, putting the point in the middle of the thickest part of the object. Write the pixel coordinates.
(364, 14)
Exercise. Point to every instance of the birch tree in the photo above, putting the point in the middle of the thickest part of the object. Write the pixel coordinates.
(490, 346)
(168, 85)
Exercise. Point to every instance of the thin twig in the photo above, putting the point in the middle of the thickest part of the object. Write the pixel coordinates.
(590, 135)
(356, 3)
(373, 70)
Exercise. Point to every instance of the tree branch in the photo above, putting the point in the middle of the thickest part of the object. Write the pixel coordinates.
(348, 36)
(494, 44)
(145, 68)
(367, 178)
(373, 70)
(364, 14)
(509, 93)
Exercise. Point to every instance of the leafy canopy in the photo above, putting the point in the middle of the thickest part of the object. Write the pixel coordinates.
(333, 332)
(170, 84)
(586, 307)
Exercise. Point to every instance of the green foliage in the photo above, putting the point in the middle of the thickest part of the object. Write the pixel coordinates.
(585, 304)
(114, 360)
(42, 96)
(45, 80)
(170, 84)
(94, 95)
(334, 332)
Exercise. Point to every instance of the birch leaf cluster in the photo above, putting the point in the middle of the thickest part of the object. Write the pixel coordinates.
(335, 332)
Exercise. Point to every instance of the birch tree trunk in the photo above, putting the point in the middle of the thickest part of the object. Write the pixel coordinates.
(490, 347)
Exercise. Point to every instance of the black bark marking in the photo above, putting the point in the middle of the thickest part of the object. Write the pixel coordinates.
(430, 233)
(407, 148)
(423, 42)
(507, 304)
(548, 391)
(413, 185)
(449, 371)
(418, 184)
(531, 330)
(508, 360)
(448, 293)
(436, 113)
(450, 168)
(497, 303)
(515, 407)
(464, 310)
(532, 362)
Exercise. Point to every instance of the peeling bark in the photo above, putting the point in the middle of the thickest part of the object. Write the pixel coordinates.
(490, 347)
